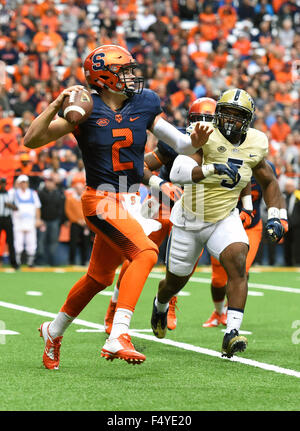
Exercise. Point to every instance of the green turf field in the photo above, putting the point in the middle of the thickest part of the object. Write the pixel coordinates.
(182, 373)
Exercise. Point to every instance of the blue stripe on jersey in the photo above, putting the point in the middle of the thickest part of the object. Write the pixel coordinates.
(21, 200)
(113, 142)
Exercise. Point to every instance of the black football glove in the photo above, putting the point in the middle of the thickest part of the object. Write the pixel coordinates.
(275, 229)
(229, 169)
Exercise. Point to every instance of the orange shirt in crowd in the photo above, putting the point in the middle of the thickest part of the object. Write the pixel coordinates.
(283, 98)
(277, 4)
(20, 71)
(275, 63)
(51, 21)
(228, 16)
(280, 131)
(220, 60)
(73, 207)
(9, 144)
(123, 10)
(46, 41)
(14, 129)
(243, 46)
(79, 74)
(199, 57)
(208, 26)
(167, 70)
(46, 5)
(24, 169)
(30, 8)
(178, 97)
(283, 76)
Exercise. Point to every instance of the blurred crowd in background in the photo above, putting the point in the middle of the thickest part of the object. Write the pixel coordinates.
(186, 49)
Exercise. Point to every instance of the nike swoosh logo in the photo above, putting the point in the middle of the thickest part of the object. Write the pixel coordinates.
(48, 352)
(133, 119)
(252, 155)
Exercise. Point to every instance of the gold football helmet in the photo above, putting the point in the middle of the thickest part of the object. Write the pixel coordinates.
(234, 113)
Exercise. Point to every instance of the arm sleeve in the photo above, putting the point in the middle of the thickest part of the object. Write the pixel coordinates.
(181, 172)
(167, 133)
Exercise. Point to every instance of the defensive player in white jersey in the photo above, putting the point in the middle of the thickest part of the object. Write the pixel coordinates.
(207, 215)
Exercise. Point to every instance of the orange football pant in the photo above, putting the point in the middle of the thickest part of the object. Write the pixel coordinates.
(157, 237)
(118, 237)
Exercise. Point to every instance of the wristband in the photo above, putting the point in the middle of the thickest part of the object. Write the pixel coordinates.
(247, 202)
(208, 170)
(273, 213)
(283, 213)
(155, 181)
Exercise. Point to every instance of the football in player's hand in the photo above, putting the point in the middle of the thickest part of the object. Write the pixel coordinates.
(77, 107)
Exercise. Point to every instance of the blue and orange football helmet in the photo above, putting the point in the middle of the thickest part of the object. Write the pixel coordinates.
(113, 67)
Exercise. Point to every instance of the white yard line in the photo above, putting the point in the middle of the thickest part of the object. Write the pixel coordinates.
(166, 341)
(255, 285)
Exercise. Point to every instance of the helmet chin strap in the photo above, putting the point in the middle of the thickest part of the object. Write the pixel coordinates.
(234, 137)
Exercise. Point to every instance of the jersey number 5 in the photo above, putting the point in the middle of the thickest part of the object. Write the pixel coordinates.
(127, 141)
(228, 183)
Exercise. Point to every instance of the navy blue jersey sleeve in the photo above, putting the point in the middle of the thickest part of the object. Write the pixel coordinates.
(167, 151)
(151, 103)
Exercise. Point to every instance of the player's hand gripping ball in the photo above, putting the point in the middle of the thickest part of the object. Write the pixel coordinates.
(78, 106)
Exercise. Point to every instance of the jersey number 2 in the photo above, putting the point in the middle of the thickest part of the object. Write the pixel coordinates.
(127, 141)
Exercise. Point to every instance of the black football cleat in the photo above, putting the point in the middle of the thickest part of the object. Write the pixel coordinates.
(159, 322)
(232, 343)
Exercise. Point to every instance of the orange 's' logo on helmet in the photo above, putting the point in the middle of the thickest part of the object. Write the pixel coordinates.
(112, 67)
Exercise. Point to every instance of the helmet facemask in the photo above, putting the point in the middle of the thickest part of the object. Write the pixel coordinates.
(232, 121)
(194, 118)
(132, 84)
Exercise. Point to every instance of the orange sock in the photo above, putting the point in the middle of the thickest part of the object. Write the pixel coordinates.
(134, 278)
(80, 295)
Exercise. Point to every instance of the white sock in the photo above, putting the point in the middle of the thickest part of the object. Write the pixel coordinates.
(219, 306)
(30, 259)
(60, 324)
(121, 322)
(115, 295)
(161, 308)
(234, 320)
(18, 258)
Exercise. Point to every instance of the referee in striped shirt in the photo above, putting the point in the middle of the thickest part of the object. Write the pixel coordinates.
(6, 208)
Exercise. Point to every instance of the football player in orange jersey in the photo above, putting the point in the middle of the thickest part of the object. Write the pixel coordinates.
(112, 141)
(162, 159)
